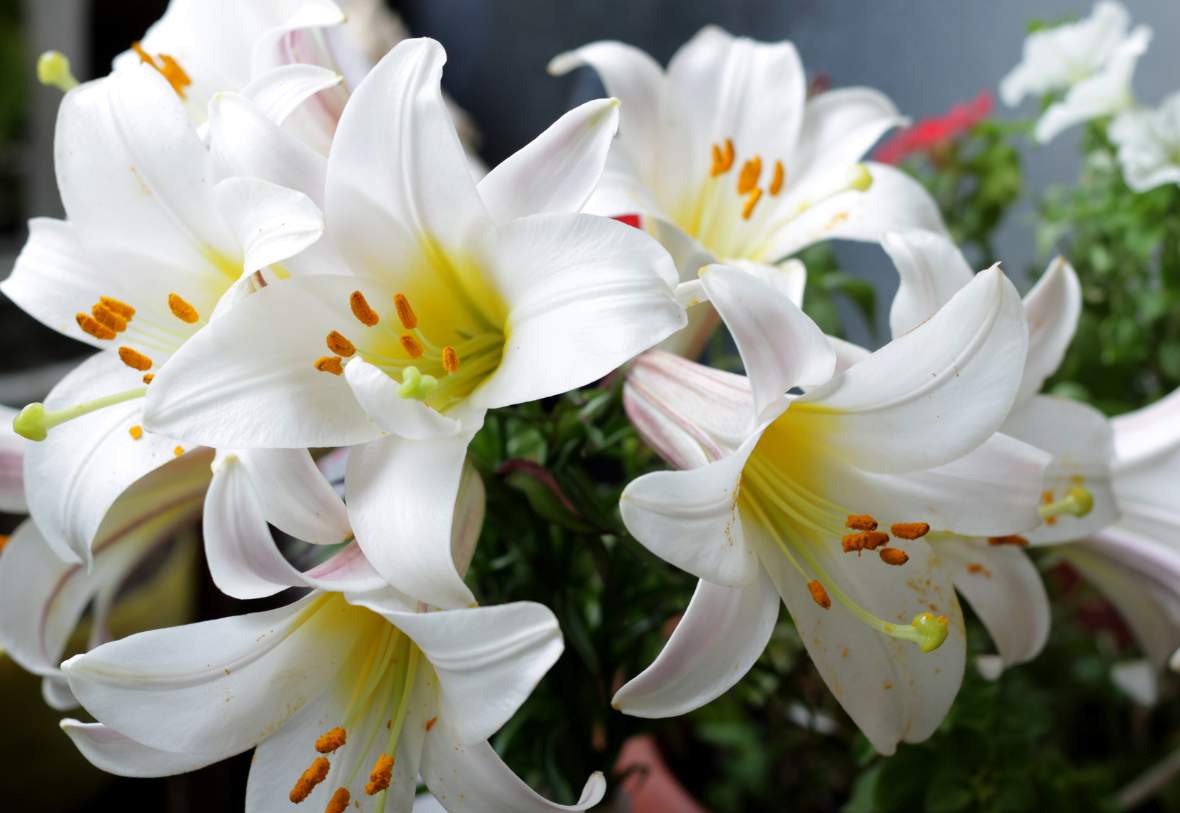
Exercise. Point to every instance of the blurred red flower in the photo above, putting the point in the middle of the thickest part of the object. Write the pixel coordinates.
(929, 135)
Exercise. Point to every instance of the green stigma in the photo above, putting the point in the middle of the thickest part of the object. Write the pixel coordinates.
(415, 385)
(931, 629)
(53, 70)
(860, 178)
(1077, 502)
(34, 421)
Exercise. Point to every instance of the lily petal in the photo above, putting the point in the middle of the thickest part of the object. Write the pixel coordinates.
(723, 632)
(116, 753)
(585, 295)
(937, 392)
(402, 502)
(780, 346)
(558, 170)
(273, 223)
(279, 92)
(472, 778)
(12, 464)
(378, 394)
(689, 518)
(931, 270)
(295, 496)
(1052, 308)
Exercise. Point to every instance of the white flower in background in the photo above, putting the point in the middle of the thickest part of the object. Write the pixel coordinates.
(724, 157)
(12, 462)
(1092, 61)
(345, 699)
(824, 500)
(151, 248)
(1148, 143)
(461, 299)
(1136, 561)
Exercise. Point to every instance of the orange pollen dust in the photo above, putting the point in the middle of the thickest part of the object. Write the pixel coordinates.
(331, 739)
(909, 530)
(751, 202)
(748, 177)
(861, 522)
(167, 67)
(976, 568)
(776, 180)
(818, 594)
(450, 360)
(1046, 499)
(893, 556)
(864, 540)
(339, 344)
(339, 801)
(4, 539)
(136, 432)
(1010, 539)
(134, 359)
(412, 346)
(316, 772)
(380, 776)
(93, 327)
(362, 310)
(405, 313)
(430, 723)
(108, 317)
(147, 379)
(181, 309)
(178, 451)
(723, 156)
(329, 364)
(121, 308)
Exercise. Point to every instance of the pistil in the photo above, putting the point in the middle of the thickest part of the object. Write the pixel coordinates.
(34, 421)
(1077, 502)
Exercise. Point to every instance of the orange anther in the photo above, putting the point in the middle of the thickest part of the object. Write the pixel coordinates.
(909, 530)
(729, 153)
(893, 556)
(121, 308)
(1010, 539)
(819, 594)
(411, 345)
(329, 364)
(748, 177)
(92, 326)
(136, 432)
(134, 359)
(450, 360)
(718, 162)
(178, 451)
(361, 309)
(108, 317)
(4, 539)
(380, 776)
(340, 345)
(316, 772)
(751, 202)
(405, 313)
(339, 801)
(864, 540)
(167, 67)
(861, 522)
(181, 309)
(330, 740)
(776, 181)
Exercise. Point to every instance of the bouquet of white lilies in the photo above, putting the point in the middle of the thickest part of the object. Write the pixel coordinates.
(311, 305)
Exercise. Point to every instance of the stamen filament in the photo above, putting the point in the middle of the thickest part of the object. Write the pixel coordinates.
(34, 422)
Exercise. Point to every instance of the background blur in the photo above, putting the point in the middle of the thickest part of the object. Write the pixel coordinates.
(925, 54)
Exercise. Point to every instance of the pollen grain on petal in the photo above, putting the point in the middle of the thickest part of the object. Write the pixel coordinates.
(339, 801)
(181, 308)
(380, 776)
(405, 312)
(339, 344)
(178, 451)
(136, 432)
(147, 379)
(329, 364)
(412, 346)
(909, 530)
(134, 359)
(316, 772)
(93, 327)
(430, 723)
(893, 556)
(331, 739)
(861, 522)
(450, 360)
(362, 310)
(818, 594)
(1010, 539)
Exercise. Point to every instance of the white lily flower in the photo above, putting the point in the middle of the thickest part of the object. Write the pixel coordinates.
(345, 699)
(1092, 60)
(1136, 561)
(12, 461)
(724, 157)
(461, 299)
(1148, 144)
(790, 505)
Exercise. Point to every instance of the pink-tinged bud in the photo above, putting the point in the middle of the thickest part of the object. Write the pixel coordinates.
(688, 413)
(12, 464)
